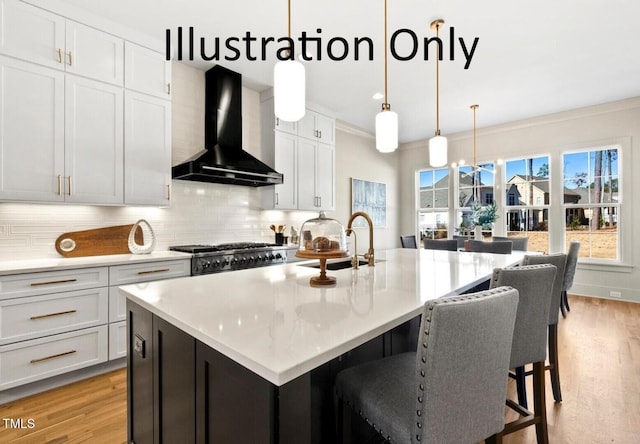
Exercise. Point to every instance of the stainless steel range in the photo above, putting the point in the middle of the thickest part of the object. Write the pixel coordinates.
(209, 259)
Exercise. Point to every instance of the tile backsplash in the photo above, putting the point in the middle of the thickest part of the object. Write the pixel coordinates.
(199, 213)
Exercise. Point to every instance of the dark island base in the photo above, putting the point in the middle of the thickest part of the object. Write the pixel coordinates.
(181, 390)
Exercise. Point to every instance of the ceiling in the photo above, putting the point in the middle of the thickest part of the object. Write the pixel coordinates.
(532, 58)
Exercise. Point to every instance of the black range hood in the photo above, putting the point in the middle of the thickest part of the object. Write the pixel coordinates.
(223, 160)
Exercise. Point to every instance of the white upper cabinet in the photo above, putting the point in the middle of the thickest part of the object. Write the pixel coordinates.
(31, 33)
(94, 54)
(31, 132)
(318, 127)
(63, 117)
(147, 71)
(147, 163)
(93, 142)
(286, 154)
(38, 36)
(316, 181)
(298, 150)
(287, 127)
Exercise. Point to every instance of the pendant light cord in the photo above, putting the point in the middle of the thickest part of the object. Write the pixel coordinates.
(289, 19)
(475, 160)
(386, 103)
(438, 84)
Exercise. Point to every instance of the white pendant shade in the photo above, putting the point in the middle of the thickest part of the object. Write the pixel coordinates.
(289, 90)
(386, 131)
(438, 151)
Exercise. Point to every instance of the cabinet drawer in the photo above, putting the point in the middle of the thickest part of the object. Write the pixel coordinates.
(32, 284)
(117, 305)
(149, 271)
(32, 317)
(30, 361)
(117, 340)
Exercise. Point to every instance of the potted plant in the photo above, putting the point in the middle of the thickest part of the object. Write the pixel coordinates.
(483, 217)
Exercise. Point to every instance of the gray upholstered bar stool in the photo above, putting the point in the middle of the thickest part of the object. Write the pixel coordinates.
(559, 260)
(408, 241)
(519, 242)
(569, 273)
(453, 388)
(534, 283)
(479, 246)
(440, 244)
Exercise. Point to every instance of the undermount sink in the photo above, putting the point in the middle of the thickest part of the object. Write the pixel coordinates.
(339, 265)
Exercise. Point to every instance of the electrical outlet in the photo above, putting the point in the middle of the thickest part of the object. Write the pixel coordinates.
(615, 294)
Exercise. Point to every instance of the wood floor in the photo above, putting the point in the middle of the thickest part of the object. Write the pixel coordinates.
(599, 368)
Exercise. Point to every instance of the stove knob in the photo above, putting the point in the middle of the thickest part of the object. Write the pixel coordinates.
(234, 261)
(226, 262)
(216, 264)
(278, 256)
(263, 258)
(251, 259)
(243, 260)
(206, 264)
(271, 256)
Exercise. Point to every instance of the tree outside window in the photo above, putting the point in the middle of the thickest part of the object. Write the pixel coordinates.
(593, 214)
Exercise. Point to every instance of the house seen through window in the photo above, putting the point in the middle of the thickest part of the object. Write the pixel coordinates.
(433, 212)
(527, 197)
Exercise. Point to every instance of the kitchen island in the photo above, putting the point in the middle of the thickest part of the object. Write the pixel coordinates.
(253, 353)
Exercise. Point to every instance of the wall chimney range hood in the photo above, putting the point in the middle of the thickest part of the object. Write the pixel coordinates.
(223, 160)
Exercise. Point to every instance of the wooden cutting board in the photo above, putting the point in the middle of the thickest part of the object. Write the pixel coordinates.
(99, 241)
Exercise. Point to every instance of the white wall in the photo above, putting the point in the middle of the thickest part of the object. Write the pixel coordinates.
(553, 135)
(202, 212)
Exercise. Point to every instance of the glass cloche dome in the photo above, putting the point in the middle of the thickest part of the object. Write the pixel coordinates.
(322, 238)
(323, 235)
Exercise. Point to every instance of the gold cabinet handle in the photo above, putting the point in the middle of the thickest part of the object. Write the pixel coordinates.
(59, 355)
(59, 55)
(59, 185)
(162, 270)
(168, 192)
(70, 59)
(50, 315)
(169, 88)
(63, 281)
(69, 190)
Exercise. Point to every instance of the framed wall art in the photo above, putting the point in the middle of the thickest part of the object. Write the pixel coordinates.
(370, 197)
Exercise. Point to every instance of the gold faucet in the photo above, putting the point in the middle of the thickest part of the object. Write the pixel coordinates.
(369, 255)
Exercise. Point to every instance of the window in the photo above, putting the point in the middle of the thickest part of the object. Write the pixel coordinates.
(528, 196)
(482, 181)
(592, 201)
(433, 214)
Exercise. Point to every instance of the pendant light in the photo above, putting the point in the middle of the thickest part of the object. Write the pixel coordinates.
(475, 160)
(438, 143)
(289, 85)
(386, 120)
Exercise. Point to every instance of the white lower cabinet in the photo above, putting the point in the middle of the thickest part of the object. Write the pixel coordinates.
(29, 361)
(117, 340)
(36, 316)
(54, 322)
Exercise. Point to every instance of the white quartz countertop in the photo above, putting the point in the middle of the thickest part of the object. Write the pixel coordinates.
(62, 263)
(271, 320)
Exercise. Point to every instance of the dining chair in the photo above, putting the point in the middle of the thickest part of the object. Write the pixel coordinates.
(452, 389)
(460, 240)
(408, 241)
(534, 284)
(559, 260)
(490, 247)
(569, 274)
(440, 244)
(519, 242)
